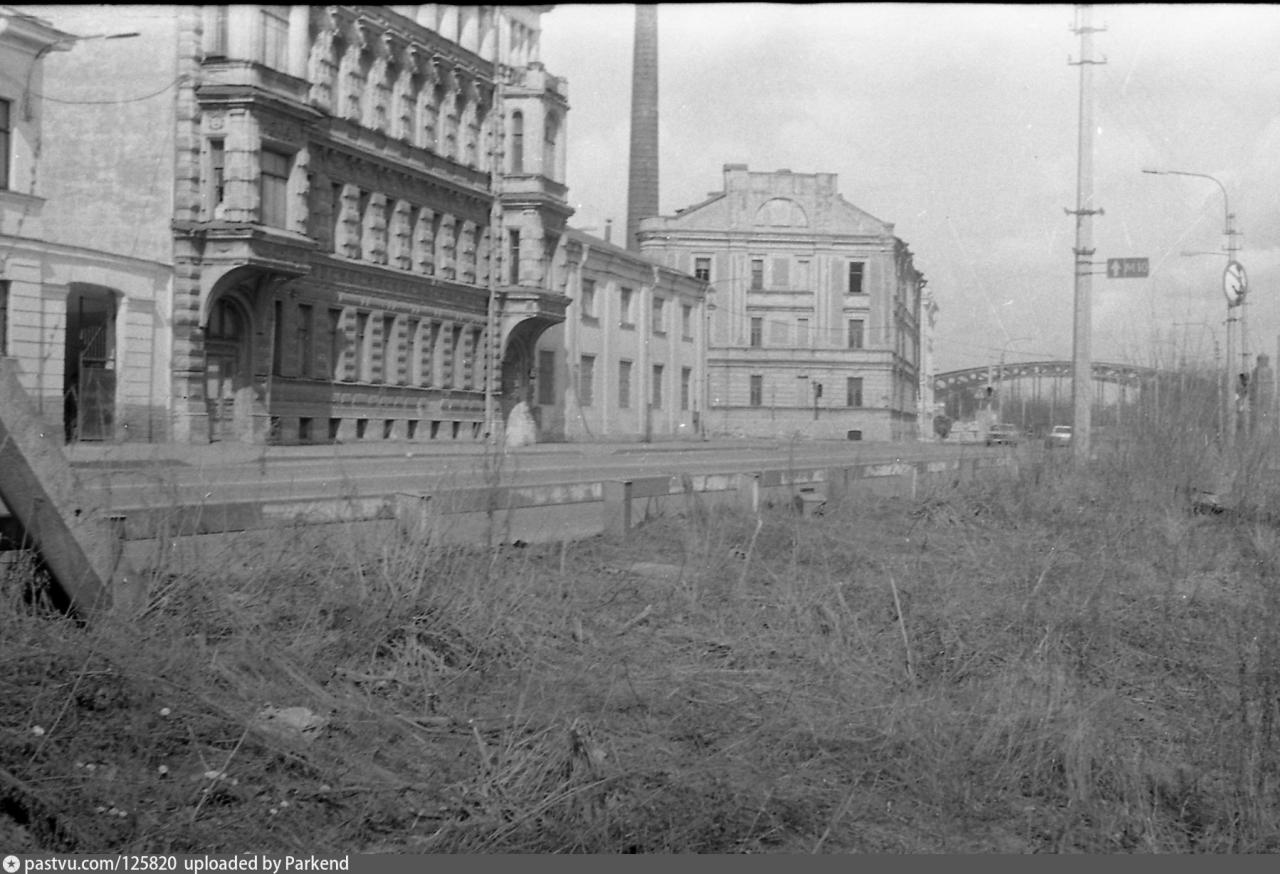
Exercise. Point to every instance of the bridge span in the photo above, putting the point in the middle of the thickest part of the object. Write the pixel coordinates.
(1040, 389)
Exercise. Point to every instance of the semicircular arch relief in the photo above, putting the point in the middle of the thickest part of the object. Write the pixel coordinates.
(781, 212)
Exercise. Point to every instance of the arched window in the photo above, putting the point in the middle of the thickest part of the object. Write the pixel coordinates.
(517, 142)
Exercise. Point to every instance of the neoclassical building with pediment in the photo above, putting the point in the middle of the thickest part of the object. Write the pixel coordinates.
(814, 309)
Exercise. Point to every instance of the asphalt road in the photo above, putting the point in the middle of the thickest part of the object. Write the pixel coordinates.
(326, 472)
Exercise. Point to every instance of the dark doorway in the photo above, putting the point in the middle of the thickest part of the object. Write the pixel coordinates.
(89, 374)
(226, 369)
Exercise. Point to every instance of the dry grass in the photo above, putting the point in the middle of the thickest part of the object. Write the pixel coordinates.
(1062, 661)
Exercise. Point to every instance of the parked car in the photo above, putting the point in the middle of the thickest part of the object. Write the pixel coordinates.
(1003, 433)
(1059, 436)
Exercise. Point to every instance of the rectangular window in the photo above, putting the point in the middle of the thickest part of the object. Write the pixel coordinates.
(856, 270)
(362, 347)
(853, 391)
(457, 365)
(513, 255)
(624, 384)
(215, 32)
(546, 377)
(4, 317)
(274, 185)
(277, 338)
(659, 315)
(217, 180)
(275, 38)
(335, 344)
(588, 298)
(757, 390)
(657, 386)
(702, 269)
(389, 356)
(587, 381)
(624, 307)
(686, 380)
(432, 356)
(757, 332)
(412, 371)
(855, 333)
(802, 275)
(335, 206)
(306, 352)
(686, 321)
(802, 332)
(6, 144)
(757, 274)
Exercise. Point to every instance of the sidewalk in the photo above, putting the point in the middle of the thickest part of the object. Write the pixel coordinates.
(96, 454)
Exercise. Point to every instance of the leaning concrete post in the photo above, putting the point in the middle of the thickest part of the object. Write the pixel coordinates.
(617, 507)
(78, 542)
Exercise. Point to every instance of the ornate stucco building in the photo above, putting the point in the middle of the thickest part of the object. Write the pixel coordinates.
(320, 223)
(814, 307)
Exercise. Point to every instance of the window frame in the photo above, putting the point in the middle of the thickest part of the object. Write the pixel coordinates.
(853, 391)
(6, 144)
(306, 346)
(624, 383)
(857, 332)
(856, 269)
(4, 317)
(273, 197)
(659, 308)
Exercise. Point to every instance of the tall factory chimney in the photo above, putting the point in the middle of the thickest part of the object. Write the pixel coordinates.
(642, 180)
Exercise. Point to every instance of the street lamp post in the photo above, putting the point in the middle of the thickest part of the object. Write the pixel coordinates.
(1235, 287)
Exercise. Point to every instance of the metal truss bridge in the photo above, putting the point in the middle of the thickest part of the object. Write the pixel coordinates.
(981, 377)
(1026, 386)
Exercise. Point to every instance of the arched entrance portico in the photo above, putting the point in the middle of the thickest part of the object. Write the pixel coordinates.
(228, 367)
(518, 366)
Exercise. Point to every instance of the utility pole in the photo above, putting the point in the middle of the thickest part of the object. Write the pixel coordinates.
(1081, 360)
(497, 139)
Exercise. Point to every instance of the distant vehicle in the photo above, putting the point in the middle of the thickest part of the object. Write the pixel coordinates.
(1003, 433)
(1059, 436)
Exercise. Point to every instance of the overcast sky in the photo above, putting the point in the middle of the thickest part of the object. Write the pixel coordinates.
(958, 124)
